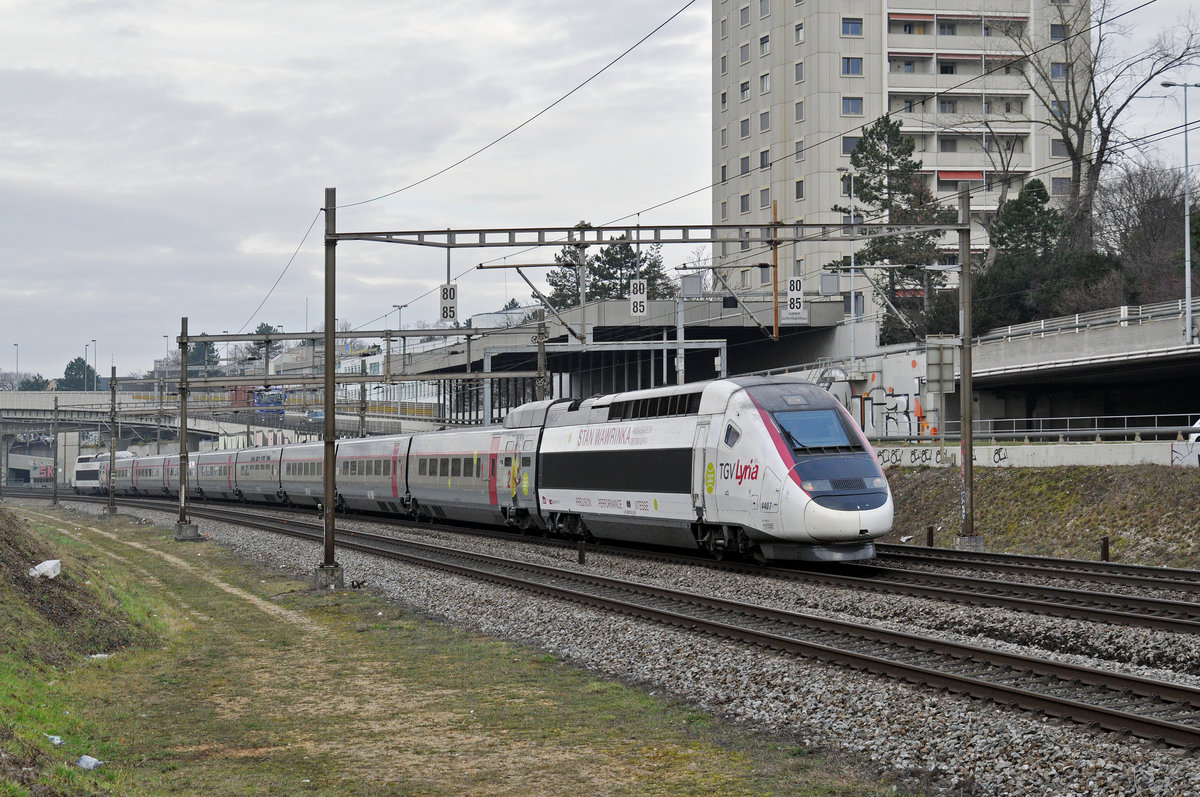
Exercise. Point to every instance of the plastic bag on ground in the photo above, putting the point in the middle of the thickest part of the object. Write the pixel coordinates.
(87, 762)
(47, 569)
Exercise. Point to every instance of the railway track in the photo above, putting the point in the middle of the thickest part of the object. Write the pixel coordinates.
(1114, 701)
(1115, 573)
(1154, 613)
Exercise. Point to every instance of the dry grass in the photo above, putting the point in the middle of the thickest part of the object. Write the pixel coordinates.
(258, 686)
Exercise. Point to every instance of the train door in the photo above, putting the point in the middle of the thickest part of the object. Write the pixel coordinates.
(509, 472)
(704, 471)
(493, 470)
(524, 458)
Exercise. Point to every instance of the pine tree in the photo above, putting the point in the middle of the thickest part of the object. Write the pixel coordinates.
(608, 273)
(888, 188)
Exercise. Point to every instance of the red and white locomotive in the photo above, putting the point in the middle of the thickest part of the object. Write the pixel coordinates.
(772, 467)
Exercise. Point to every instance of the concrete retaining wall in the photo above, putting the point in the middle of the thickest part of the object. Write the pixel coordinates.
(1047, 455)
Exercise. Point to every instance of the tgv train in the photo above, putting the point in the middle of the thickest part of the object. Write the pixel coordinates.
(771, 467)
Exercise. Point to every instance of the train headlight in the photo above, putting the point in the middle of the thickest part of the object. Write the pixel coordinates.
(877, 483)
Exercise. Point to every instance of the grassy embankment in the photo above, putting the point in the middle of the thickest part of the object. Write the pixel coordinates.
(225, 678)
(1150, 513)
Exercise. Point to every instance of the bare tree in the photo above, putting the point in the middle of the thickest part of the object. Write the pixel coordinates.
(1139, 217)
(1076, 69)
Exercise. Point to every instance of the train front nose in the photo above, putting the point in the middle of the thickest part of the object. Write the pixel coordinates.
(836, 518)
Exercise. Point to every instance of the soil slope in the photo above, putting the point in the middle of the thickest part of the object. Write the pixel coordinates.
(1150, 513)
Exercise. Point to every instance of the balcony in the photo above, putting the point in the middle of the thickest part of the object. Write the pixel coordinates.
(963, 80)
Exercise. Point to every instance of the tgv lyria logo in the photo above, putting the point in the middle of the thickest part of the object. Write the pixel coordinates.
(739, 472)
(710, 478)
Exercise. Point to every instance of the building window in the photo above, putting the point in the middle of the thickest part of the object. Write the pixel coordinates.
(764, 159)
(1057, 109)
(724, 64)
(908, 106)
(800, 111)
(947, 106)
(745, 236)
(852, 106)
(848, 144)
(744, 203)
(764, 45)
(724, 172)
(852, 26)
(947, 67)
(948, 144)
(724, 27)
(724, 100)
(745, 165)
(724, 136)
(848, 225)
(744, 16)
(744, 90)
(947, 29)
(745, 278)
(764, 198)
(799, 33)
(1060, 185)
(799, 71)
(799, 189)
(724, 210)
(800, 149)
(744, 128)
(908, 67)
(1058, 71)
(764, 121)
(1058, 148)
(852, 66)
(764, 83)
(764, 8)
(1058, 33)
(744, 53)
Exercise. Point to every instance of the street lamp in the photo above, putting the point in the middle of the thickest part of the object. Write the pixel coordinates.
(83, 376)
(1187, 216)
(853, 233)
(95, 373)
(400, 326)
(17, 378)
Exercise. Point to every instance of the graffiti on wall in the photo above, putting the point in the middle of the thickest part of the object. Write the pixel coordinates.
(1186, 454)
(883, 411)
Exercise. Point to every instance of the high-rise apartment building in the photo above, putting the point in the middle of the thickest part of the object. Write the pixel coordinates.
(795, 81)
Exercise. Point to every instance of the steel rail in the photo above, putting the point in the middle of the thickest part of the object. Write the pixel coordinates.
(1165, 578)
(1085, 605)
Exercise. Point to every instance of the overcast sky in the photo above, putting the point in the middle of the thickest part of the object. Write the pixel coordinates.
(161, 160)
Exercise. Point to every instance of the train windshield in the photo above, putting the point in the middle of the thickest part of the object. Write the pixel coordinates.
(814, 429)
